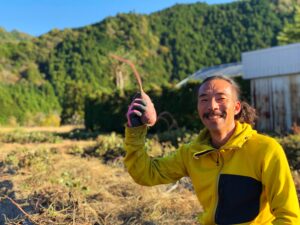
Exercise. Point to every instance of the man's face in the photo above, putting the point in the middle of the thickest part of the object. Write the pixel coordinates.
(217, 105)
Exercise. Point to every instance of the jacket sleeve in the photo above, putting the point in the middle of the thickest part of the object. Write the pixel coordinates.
(280, 187)
(150, 171)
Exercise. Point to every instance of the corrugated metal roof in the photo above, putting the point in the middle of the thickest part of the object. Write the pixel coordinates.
(230, 70)
(280, 60)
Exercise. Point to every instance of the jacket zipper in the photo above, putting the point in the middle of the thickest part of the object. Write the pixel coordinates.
(218, 158)
(220, 165)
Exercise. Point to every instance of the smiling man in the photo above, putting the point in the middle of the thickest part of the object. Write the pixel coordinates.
(218, 104)
(239, 175)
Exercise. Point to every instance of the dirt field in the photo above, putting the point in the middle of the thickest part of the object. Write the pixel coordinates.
(68, 176)
(46, 178)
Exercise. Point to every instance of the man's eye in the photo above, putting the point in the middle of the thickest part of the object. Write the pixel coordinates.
(221, 98)
(203, 100)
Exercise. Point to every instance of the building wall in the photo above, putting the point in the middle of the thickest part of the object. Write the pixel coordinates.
(277, 101)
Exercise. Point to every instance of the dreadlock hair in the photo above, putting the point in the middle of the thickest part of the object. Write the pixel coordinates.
(247, 113)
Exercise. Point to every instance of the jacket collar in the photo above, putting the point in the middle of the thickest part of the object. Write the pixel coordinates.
(202, 145)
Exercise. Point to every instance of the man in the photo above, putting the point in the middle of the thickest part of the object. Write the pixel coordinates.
(239, 176)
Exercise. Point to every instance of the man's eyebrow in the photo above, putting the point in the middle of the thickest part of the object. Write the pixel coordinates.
(221, 93)
(202, 95)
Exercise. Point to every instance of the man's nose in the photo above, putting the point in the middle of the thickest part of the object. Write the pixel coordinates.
(213, 104)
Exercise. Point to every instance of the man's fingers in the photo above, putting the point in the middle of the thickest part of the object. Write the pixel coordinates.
(136, 112)
(136, 109)
(139, 101)
(139, 107)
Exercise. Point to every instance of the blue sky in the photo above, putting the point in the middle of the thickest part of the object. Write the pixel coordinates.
(36, 17)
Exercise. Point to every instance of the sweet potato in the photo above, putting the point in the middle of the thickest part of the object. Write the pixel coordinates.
(149, 116)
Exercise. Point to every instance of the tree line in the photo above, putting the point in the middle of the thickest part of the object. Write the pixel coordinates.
(75, 64)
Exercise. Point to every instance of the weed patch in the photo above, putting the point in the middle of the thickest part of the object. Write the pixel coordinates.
(29, 137)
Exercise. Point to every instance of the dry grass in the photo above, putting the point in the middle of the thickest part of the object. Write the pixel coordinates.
(55, 186)
(67, 182)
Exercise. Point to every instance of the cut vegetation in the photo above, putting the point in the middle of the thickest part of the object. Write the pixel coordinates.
(83, 182)
(75, 177)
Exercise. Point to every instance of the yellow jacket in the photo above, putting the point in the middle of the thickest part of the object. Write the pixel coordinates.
(246, 181)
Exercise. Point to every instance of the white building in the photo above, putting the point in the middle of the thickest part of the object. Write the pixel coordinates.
(274, 74)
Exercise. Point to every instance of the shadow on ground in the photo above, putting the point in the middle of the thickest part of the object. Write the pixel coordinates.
(9, 211)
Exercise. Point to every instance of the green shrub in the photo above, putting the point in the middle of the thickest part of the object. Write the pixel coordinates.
(291, 146)
(38, 160)
(176, 136)
(42, 119)
(29, 137)
(108, 147)
(71, 181)
(23, 103)
(76, 150)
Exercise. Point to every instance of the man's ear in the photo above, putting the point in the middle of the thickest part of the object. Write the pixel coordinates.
(237, 107)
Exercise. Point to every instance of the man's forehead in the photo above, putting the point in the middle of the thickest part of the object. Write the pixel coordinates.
(215, 86)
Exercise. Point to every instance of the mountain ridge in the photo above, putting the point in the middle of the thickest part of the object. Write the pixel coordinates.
(166, 46)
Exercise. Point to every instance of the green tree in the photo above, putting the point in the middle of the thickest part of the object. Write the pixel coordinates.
(73, 102)
(32, 74)
(165, 46)
(291, 31)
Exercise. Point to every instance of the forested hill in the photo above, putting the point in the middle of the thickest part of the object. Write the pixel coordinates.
(12, 36)
(166, 47)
